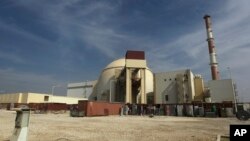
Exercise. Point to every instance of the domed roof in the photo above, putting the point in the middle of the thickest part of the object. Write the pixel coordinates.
(117, 63)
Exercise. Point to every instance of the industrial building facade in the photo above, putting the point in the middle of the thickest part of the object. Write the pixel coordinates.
(221, 90)
(80, 90)
(129, 80)
(26, 98)
(174, 87)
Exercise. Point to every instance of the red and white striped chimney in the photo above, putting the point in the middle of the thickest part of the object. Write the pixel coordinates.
(211, 48)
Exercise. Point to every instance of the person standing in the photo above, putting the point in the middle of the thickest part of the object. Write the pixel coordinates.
(126, 109)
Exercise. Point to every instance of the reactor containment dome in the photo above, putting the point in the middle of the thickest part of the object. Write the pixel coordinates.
(120, 83)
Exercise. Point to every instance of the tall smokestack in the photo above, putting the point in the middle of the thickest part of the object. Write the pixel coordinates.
(211, 48)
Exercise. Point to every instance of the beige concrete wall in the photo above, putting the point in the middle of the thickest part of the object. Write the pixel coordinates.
(175, 85)
(199, 88)
(221, 90)
(191, 85)
(165, 84)
(36, 98)
(39, 98)
(10, 98)
(81, 90)
(68, 100)
(23, 98)
(136, 63)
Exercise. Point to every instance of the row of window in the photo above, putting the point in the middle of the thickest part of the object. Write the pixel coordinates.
(166, 97)
(170, 79)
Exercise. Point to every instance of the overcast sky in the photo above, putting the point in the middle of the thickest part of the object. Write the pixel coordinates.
(45, 43)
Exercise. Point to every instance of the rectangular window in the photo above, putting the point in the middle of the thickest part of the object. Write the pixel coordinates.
(46, 98)
(166, 97)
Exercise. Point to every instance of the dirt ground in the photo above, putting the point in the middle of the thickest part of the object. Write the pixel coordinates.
(62, 127)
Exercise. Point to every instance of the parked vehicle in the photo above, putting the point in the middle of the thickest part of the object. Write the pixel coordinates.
(242, 115)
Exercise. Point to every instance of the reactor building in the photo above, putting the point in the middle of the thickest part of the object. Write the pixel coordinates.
(129, 80)
(126, 80)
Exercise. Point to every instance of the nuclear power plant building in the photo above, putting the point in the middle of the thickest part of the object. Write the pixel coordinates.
(129, 80)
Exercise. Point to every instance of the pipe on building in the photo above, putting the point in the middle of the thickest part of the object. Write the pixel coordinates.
(211, 48)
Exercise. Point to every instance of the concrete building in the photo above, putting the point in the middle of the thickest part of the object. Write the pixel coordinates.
(80, 90)
(126, 80)
(221, 90)
(36, 98)
(174, 87)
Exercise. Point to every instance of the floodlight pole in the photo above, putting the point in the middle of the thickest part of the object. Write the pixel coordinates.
(52, 90)
(235, 101)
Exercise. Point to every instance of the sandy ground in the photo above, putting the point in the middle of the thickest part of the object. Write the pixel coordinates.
(61, 127)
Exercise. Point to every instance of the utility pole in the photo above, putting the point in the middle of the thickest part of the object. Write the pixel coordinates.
(234, 92)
